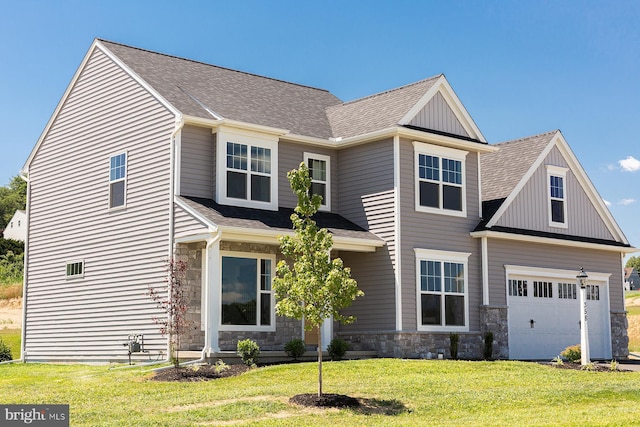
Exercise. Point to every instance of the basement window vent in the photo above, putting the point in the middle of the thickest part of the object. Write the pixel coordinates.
(75, 269)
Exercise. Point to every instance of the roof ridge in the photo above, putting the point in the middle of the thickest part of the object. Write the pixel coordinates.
(389, 90)
(528, 137)
(213, 65)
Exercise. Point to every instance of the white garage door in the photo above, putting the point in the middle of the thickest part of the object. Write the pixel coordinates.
(544, 317)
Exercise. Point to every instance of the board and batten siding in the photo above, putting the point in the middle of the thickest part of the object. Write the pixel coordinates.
(530, 209)
(527, 254)
(124, 250)
(290, 156)
(366, 193)
(438, 232)
(437, 115)
(197, 157)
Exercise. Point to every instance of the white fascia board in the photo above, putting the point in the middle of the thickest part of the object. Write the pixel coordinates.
(461, 113)
(589, 188)
(211, 226)
(523, 181)
(240, 234)
(551, 241)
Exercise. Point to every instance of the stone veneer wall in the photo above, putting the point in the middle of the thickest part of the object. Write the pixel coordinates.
(191, 253)
(286, 328)
(414, 345)
(494, 319)
(619, 336)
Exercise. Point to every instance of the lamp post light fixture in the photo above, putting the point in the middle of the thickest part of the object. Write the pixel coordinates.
(584, 331)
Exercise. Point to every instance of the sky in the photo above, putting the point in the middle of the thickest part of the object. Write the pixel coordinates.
(519, 67)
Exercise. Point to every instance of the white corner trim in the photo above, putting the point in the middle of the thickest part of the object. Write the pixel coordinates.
(397, 227)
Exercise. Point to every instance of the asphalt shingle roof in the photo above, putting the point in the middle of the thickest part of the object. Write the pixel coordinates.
(231, 94)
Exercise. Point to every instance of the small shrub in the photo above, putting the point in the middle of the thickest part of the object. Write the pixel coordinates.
(487, 353)
(249, 351)
(589, 367)
(5, 352)
(220, 366)
(557, 361)
(295, 348)
(453, 340)
(572, 353)
(337, 348)
(614, 365)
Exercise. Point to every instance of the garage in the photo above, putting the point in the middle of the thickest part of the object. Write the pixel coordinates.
(544, 313)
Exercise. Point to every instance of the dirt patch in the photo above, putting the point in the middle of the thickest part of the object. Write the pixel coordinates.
(11, 313)
(198, 373)
(327, 400)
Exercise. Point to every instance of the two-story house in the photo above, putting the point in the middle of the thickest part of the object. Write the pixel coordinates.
(159, 157)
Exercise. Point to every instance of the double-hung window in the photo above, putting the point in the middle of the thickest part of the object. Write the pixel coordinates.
(247, 300)
(556, 188)
(442, 290)
(247, 170)
(440, 179)
(319, 173)
(117, 180)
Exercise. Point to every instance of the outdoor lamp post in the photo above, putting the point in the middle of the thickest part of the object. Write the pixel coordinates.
(584, 331)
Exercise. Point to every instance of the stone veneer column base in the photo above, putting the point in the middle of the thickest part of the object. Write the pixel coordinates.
(619, 337)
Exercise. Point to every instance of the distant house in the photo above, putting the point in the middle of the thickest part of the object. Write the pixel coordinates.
(150, 156)
(631, 279)
(16, 229)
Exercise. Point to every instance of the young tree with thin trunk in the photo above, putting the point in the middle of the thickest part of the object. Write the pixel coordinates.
(315, 287)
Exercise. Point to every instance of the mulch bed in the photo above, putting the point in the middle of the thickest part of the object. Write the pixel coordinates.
(327, 400)
(197, 373)
(577, 366)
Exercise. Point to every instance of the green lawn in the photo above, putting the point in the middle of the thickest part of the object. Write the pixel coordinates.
(444, 393)
(631, 294)
(12, 338)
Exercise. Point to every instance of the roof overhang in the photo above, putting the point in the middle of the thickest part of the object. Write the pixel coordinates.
(492, 234)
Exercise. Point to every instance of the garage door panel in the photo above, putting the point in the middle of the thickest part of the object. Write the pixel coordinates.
(544, 319)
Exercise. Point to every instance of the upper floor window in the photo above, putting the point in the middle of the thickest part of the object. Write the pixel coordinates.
(117, 180)
(440, 179)
(319, 173)
(247, 167)
(556, 179)
(247, 296)
(442, 286)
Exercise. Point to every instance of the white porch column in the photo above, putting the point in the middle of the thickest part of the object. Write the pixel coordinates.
(212, 287)
(485, 271)
(327, 332)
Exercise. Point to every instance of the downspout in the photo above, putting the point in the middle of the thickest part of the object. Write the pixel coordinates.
(207, 305)
(25, 263)
(179, 123)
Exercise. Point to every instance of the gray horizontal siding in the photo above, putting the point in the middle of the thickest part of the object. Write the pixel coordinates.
(506, 252)
(124, 250)
(437, 115)
(367, 195)
(530, 209)
(289, 157)
(185, 224)
(197, 162)
(440, 232)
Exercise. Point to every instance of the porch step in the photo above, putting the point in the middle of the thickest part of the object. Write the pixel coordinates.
(267, 357)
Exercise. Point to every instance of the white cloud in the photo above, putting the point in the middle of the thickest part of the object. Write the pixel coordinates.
(630, 164)
(606, 202)
(626, 202)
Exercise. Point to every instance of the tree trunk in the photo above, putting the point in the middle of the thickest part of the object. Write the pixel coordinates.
(319, 361)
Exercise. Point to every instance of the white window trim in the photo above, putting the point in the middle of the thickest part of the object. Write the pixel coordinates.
(250, 139)
(327, 202)
(125, 179)
(249, 328)
(441, 152)
(75, 276)
(442, 256)
(561, 172)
